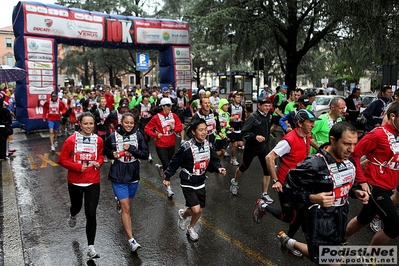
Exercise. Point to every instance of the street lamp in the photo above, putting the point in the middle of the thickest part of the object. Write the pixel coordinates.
(231, 36)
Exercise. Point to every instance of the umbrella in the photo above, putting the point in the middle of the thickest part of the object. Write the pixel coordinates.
(11, 73)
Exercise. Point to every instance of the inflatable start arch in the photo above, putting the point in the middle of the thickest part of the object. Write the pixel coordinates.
(38, 28)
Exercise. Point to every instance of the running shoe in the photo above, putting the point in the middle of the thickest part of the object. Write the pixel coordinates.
(159, 168)
(234, 161)
(72, 221)
(376, 224)
(169, 192)
(259, 210)
(192, 234)
(56, 144)
(296, 253)
(149, 158)
(118, 205)
(234, 187)
(226, 154)
(267, 198)
(134, 245)
(181, 221)
(283, 240)
(91, 253)
(52, 148)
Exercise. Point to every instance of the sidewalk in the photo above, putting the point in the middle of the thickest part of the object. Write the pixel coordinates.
(11, 232)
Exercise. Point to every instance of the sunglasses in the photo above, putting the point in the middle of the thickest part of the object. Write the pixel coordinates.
(168, 105)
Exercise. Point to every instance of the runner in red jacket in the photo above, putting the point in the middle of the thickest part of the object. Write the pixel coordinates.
(53, 109)
(162, 127)
(82, 155)
(381, 176)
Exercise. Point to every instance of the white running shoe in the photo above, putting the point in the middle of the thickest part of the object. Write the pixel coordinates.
(55, 144)
(192, 234)
(118, 205)
(149, 158)
(234, 187)
(234, 161)
(91, 253)
(159, 168)
(226, 154)
(376, 224)
(267, 198)
(52, 148)
(169, 192)
(181, 221)
(134, 245)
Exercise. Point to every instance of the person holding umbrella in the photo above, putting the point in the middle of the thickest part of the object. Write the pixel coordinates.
(5, 124)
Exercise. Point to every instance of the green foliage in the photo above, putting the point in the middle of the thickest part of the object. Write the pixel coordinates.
(338, 39)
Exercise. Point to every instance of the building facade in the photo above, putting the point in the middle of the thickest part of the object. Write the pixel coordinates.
(7, 46)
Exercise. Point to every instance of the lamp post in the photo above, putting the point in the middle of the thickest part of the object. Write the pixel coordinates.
(257, 74)
(231, 36)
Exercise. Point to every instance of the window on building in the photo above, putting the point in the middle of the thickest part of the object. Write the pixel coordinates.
(146, 80)
(132, 79)
(10, 61)
(8, 43)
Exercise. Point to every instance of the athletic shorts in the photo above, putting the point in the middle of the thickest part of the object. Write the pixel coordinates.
(194, 196)
(276, 120)
(380, 203)
(234, 137)
(221, 144)
(123, 191)
(53, 124)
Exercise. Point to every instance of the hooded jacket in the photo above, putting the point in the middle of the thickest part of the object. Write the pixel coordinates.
(126, 172)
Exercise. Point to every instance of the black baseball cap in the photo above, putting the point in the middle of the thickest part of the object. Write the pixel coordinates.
(303, 115)
(304, 100)
(124, 102)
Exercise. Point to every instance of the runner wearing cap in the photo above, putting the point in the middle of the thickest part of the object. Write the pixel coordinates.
(162, 127)
(292, 149)
(288, 122)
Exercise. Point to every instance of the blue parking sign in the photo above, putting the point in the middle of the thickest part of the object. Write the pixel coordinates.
(142, 62)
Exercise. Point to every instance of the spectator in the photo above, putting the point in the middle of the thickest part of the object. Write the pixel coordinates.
(353, 104)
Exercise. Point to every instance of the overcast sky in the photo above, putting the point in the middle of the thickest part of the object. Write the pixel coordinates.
(7, 7)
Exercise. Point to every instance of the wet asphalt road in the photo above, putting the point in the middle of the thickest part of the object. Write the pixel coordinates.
(227, 233)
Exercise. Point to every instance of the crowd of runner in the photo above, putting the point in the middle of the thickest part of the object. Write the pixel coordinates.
(314, 167)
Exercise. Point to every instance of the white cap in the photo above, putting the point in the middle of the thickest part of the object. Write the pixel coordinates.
(201, 91)
(165, 101)
(266, 86)
(60, 95)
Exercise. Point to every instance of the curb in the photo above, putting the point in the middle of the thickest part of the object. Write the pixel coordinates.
(12, 241)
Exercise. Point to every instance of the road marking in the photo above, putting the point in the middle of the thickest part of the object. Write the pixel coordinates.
(238, 244)
(32, 162)
(46, 160)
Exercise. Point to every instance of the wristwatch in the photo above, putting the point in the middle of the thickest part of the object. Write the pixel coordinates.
(275, 181)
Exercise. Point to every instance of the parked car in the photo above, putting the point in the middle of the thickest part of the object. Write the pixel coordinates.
(367, 99)
(323, 103)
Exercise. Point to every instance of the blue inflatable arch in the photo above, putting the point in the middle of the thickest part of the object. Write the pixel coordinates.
(38, 28)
